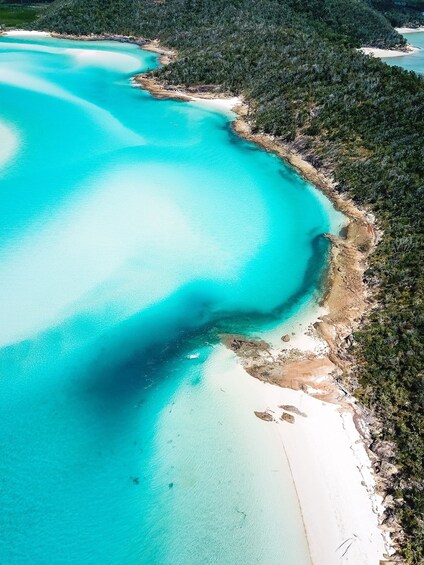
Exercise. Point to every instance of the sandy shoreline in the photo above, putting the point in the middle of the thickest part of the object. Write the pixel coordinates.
(332, 472)
(409, 29)
(386, 53)
(328, 449)
(308, 377)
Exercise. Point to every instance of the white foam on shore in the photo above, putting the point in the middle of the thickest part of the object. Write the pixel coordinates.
(9, 143)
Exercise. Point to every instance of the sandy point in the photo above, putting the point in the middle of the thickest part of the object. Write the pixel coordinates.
(386, 53)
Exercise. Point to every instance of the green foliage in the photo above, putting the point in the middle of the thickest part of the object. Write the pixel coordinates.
(352, 21)
(351, 115)
(400, 13)
(12, 15)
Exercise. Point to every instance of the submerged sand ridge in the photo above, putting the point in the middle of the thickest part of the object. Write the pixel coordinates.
(173, 196)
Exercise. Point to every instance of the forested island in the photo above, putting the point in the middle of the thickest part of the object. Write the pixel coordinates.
(355, 119)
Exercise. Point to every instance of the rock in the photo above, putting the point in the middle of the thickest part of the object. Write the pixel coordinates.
(286, 338)
(389, 501)
(266, 416)
(290, 408)
(384, 449)
(285, 417)
(349, 340)
(387, 469)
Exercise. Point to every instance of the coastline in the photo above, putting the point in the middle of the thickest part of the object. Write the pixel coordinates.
(409, 29)
(386, 53)
(345, 302)
(346, 298)
(326, 453)
(313, 376)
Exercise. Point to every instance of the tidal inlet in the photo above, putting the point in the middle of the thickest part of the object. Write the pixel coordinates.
(133, 232)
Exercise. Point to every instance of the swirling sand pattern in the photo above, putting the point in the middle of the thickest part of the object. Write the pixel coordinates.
(129, 227)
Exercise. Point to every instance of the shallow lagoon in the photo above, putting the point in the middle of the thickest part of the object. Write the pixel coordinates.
(132, 230)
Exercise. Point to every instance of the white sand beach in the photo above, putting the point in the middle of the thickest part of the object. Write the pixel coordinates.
(221, 104)
(383, 53)
(409, 29)
(24, 32)
(331, 471)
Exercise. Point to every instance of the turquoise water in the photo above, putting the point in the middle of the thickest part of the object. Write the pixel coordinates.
(130, 228)
(414, 61)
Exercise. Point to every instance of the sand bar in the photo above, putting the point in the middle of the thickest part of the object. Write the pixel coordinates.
(9, 143)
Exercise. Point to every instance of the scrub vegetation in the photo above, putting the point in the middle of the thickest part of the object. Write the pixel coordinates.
(19, 15)
(353, 117)
(408, 13)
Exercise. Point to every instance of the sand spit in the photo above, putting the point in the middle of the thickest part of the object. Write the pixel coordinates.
(385, 53)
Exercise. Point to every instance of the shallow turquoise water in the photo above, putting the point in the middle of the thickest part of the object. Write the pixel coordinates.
(130, 228)
(414, 61)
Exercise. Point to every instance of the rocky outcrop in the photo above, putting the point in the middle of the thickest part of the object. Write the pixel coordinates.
(266, 416)
(290, 408)
(286, 417)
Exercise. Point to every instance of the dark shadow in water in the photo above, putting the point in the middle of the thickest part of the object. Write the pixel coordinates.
(136, 354)
(313, 280)
(131, 353)
(290, 175)
(235, 139)
(119, 370)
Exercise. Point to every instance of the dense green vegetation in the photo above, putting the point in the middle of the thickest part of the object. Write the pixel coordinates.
(346, 21)
(350, 115)
(401, 12)
(18, 15)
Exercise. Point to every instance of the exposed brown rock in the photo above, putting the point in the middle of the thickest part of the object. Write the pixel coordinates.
(244, 346)
(290, 408)
(384, 449)
(266, 416)
(285, 417)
